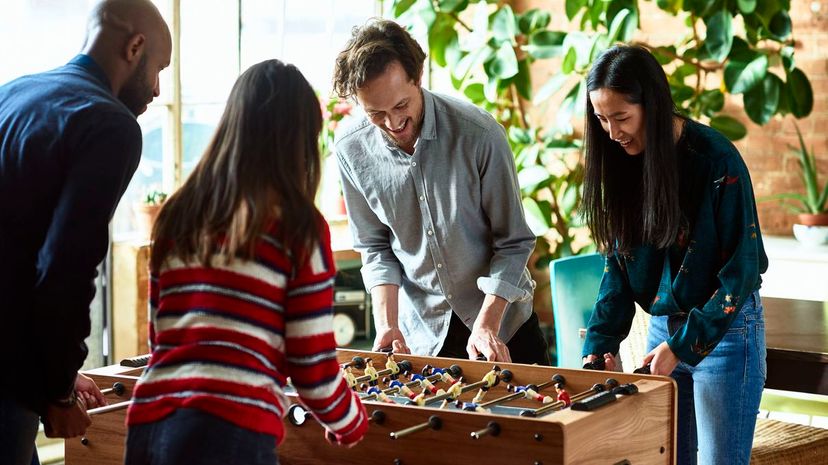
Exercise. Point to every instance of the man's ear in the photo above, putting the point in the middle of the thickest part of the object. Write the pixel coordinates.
(135, 47)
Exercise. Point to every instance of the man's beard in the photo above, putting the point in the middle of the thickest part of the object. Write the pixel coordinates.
(136, 93)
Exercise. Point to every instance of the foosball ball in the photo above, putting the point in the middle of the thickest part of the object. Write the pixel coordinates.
(449, 411)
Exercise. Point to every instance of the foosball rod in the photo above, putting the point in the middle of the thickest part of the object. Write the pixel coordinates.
(596, 388)
(504, 375)
(434, 422)
(517, 395)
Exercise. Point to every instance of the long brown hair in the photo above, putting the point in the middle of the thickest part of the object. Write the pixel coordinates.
(261, 165)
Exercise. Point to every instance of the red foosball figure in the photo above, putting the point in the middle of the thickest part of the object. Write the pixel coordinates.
(563, 396)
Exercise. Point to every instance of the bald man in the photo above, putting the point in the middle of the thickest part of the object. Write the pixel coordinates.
(69, 145)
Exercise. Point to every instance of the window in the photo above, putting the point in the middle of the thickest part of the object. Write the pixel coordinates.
(219, 39)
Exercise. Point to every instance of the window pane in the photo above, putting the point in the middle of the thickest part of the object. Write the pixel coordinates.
(148, 176)
(38, 35)
(209, 50)
(198, 124)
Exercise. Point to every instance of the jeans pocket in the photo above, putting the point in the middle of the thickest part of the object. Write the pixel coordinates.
(760, 350)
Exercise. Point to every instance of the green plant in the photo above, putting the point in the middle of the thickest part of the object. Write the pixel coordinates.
(488, 50)
(334, 110)
(155, 197)
(815, 199)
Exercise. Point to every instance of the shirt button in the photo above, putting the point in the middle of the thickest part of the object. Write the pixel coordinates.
(439, 265)
(449, 296)
(422, 198)
(430, 232)
(413, 163)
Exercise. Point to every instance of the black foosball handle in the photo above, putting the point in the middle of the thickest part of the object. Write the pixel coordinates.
(597, 364)
(645, 370)
(593, 402)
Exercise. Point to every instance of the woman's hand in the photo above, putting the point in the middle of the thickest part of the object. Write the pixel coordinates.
(609, 361)
(662, 360)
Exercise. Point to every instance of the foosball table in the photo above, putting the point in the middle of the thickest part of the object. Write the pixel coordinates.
(449, 411)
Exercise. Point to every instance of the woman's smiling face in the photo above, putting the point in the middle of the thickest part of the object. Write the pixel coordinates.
(623, 121)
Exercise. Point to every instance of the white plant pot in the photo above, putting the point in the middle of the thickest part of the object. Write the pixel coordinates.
(811, 235)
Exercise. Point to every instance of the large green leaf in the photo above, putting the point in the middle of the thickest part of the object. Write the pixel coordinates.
(545, 44)
(800, 94)
(780, 25)
(746, 6)
(523, 80)
(451, 6)
(504, 63)
(534, 20)
(618, 25)
(502, 24)
(440, 36)
(731, 128)
(762, 101)
(532, 176)
(682, 93)
(538, 222)
(567, 107)
(572, 7)
(568, 64)
(471, 60)
(719, 35)
(474, 92)
(401, 6)
(741, 76)
(629, 25)
(490, 89)
(711, 102)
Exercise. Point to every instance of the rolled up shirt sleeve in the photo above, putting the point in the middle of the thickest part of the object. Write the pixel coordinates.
(512, 240)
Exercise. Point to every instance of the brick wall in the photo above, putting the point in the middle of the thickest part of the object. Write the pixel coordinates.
(772, 164)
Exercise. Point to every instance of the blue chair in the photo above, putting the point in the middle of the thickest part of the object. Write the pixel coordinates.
(574, 282)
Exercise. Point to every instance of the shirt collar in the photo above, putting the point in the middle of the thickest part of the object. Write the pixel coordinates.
(91, 66)
(429, 129)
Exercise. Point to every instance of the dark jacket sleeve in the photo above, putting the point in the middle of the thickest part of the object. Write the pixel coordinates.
(613, 312)
(99, 163)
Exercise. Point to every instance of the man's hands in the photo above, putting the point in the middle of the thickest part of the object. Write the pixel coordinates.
(68, 422)
(393, 338)
(87, 390)
(484, 336)
(485, 341)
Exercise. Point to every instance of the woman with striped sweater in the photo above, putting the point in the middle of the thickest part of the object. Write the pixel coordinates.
(241, 290)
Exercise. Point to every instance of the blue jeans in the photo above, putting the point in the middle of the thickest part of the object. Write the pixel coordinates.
(718, 400)
(18, 430)
(194, 437)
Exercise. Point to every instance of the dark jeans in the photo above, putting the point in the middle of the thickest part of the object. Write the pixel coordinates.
(18, 430)
(190, 436)
(528, 345)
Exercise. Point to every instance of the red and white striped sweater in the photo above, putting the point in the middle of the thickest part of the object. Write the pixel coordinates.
(225, 339)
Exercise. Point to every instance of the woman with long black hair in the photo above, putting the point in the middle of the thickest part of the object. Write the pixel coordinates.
(670, 202)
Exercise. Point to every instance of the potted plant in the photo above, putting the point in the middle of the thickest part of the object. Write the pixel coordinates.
(147, 210)
(812, 206)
